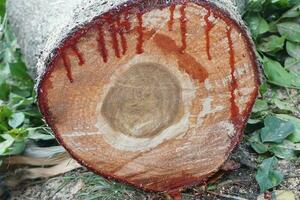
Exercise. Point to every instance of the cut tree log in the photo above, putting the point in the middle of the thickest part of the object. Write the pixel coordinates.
(155, 94)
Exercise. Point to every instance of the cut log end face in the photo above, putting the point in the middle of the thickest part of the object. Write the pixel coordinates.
(143, 102)
(157, 99)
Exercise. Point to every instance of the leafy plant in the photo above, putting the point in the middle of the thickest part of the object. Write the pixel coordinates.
(276, 138)
(276, 31)
(276, 130)
(295, 137)
(20, 120)
(275, 28)
(267, 176)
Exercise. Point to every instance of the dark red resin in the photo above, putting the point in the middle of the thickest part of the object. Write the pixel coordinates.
(171, 20)
(78, 54)
(183, 21)
(126, 22)
(67, 65)
(235, 113)
(185, 61)
(114, 39)
(102, 45)
(121, 30)
(208, 27)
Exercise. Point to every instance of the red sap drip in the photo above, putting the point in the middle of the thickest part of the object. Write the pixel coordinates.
(171, 21)
(234, 83)
(78, 54)
(67, 65)
(101, 45)
(209, 26)
(183, 27)
(114, 39)
(185, 61)
(140, 39)
(126, 22)
(121, 28)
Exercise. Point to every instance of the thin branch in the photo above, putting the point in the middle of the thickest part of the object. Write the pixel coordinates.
(226, 196)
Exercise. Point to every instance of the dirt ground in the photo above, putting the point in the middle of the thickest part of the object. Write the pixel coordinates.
(237, 184)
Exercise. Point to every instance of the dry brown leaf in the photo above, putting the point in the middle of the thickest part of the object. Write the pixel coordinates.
(25, 160)
(65, 166)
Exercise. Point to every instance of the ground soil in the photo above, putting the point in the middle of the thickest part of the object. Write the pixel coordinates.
(237, 184)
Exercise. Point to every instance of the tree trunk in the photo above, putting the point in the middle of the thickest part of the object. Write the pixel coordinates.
(151, 93)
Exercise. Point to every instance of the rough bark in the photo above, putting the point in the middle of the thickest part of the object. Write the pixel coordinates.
(134, 90)
(41, 26)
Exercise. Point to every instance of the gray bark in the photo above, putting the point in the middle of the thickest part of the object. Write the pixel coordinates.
(33, 22)
(42, 25)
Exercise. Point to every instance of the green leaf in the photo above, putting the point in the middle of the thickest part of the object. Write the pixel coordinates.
(257, 145)
(16, 148)
(280, 3)
(22, 83)
(212, 187)
(267, 176)
(5, 114)
(283, 105)
(256, 5)
(19, 133)
(276, 74)
(257, 24)
(19, 102)
(37, 135)
(290, 145)
(16, 120)
(293, 65)
(295, 80)
(293, 12)
(295, 137)
(19, 70)
(290, 30)
(263, 88)
(3, 128)
(272, 43)
(8, 141)
(294, 2)
(276, 130)
(260, 105)
(283, 152)
(293, 49)
(4, 91)
(2, 8)
(273, 27)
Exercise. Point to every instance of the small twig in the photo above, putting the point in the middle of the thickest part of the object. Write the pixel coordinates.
(229, 182)
(226, 196)
(292, 176)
